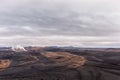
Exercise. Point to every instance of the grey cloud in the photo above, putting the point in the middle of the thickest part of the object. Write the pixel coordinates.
(69, 24)
(36, 18)
(62, 41)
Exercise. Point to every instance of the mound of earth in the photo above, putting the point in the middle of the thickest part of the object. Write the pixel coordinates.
(4, 64)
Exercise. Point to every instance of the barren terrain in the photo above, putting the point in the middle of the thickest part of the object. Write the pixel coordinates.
(60, 64)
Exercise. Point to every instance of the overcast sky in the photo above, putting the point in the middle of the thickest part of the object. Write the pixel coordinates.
(85, 23)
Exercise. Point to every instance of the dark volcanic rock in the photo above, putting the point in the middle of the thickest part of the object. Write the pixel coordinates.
(56, 66)
(46, 66)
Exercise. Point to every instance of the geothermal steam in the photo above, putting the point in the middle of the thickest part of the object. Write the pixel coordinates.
(18, 48)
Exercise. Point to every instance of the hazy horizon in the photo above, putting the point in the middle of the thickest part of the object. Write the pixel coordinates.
(84, 23)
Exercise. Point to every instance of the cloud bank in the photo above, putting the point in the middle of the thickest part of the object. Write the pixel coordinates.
(71, 22)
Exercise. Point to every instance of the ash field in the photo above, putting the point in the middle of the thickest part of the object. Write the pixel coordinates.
(59, 63)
